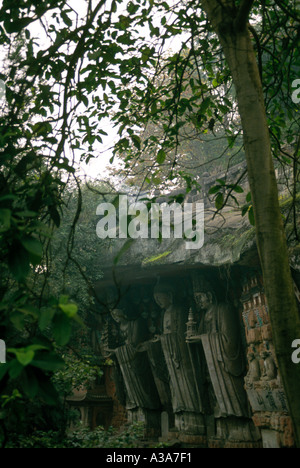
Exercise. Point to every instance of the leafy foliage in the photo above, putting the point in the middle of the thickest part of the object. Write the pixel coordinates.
(60, 87)
(129, 437)
(78, 372)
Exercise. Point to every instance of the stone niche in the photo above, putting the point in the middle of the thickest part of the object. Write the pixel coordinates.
(193, 357)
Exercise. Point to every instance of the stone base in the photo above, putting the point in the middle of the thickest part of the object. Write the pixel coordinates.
(271, 439)
(193, 440)
(186, 440)
(225, 445)
(190, 423)
(237, 430)
(276, 426)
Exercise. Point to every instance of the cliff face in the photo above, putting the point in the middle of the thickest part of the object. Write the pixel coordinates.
(229, 239)
(153, 282)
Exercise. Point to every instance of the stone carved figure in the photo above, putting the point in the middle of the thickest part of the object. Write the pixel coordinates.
(270, 369)
(186, 400)
(133, 361)
(220, 337)
(254, 373)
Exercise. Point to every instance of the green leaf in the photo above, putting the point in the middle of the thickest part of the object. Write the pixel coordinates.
(26, 214)
(55, 216)
(136, 141)
(18, 262)
(66, 19)
(62, 329)
(161, 156)
(17, 25)
(48, 362)
(204, 105)
(29, 383)
(214, 190)
(5, 217)
(30, 310)
(219, 202)
(23, 355)
(46, 317)
(8, 197)
(37, 347)
(41, 128)
(251, 216)
(15, 369)
(69, 309)
(17, 319)
(3, 370)
(64, 299)
(245, 210)
(26, 355)
(238, 189)
(34, 248)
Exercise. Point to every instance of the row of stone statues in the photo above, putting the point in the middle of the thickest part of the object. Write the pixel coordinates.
(193, 369)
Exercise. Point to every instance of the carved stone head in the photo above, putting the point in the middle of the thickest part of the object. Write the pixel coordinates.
(118, 315)
(164, 295)
(203, 292)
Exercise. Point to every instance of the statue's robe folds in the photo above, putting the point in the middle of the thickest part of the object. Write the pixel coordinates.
(185, 394)
(135, 367)
(222, 346)
(185, 398)
(160, 373)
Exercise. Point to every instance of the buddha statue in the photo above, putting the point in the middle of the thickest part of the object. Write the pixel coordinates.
(220, 337)
(270, 369)
(186, 399)
(132, 358)
(254, 372)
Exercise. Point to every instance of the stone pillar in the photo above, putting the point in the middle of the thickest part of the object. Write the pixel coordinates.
(141, 395)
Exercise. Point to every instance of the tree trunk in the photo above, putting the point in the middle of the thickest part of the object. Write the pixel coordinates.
(271, 240)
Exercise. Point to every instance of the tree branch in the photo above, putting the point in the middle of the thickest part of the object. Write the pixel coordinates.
(243, 14)
(291, 13)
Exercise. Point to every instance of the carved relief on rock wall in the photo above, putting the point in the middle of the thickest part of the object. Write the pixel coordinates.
(179, 348)
(123, 337)
(219, 334)
(262, 382)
